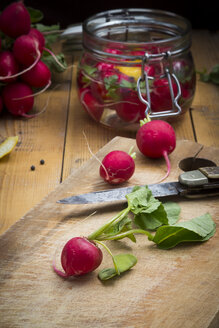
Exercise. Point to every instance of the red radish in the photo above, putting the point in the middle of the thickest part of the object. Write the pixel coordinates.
(90, 104)
(11, 94)
(130, 108)
(15, 20)
(160, 96)
(156, 139)
(8, 66)
(38, 77)
(79, 256)
(117, 167)
(38, 36)
(26, 50)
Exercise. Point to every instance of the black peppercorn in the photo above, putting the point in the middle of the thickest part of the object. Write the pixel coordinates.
(32, 167)
(42, 161)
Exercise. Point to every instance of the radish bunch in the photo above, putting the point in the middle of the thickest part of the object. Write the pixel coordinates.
(23, 58)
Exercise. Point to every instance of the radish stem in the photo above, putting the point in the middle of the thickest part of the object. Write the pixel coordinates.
(44, 108)
(127, 233)
(99, 231)
(55, 58)
(109, 251)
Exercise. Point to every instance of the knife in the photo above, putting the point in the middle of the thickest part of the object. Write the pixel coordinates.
(202, 182)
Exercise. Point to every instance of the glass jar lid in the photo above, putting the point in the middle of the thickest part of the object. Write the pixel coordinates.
(127, 29)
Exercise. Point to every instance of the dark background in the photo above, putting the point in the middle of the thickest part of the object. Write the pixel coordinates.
(202, 14)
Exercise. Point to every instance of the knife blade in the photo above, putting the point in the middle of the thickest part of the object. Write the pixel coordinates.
(118, 194)
(192, 184)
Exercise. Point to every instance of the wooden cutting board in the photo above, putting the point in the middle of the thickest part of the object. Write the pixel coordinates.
(174, 288)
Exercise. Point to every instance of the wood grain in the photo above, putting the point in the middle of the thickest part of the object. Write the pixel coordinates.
(168, 289)
(205, 111)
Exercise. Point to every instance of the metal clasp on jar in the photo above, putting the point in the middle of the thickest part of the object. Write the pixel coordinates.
(176, 109)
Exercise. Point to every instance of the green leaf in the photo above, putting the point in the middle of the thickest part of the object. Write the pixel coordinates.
(141, 200)
(198, 229)
(111, 85)
(89, 70)
(173, 210)
(47, 28)
(166, 213)
(212, 76)
(127, 84)
(52, 64)
(111, 81)
(151, 221)
(35, 15)
(124, 262)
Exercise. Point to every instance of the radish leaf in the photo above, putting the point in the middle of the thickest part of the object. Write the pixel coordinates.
(173, 210)
(124, 262)
(166, 213)
(35, 15)
(212, 76)
(200, 229)
(151, 220)
(141, 200)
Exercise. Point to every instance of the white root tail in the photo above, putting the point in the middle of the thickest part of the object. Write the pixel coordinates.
(99, 161)
(36, 93)
(25, 70)
(44, 108)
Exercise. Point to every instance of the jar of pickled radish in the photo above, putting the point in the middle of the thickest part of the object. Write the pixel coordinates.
(136, 63)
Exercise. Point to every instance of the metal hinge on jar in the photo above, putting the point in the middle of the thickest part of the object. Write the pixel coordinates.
(176, 109)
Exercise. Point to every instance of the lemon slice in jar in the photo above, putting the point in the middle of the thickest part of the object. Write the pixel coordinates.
(7, 145)
(134, 72)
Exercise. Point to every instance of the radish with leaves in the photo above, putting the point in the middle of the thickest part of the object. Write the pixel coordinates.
(156, 139)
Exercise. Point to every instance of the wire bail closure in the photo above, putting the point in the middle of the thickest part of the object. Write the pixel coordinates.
(176, 109)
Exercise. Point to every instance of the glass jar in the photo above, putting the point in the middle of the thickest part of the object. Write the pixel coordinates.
(135, 62)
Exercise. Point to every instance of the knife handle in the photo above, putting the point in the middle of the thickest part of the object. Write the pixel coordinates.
(203, 182)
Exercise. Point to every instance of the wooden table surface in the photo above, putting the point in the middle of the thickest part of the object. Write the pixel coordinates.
(56, 136)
